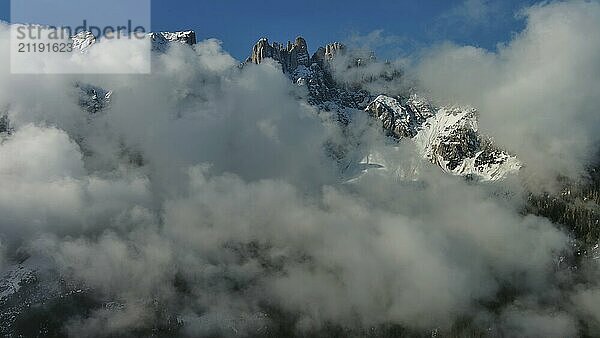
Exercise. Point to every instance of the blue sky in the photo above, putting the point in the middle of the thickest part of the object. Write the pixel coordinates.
(392, 28)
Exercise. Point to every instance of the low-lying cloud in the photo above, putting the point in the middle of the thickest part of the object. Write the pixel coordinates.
(538, 94)
(232, 211)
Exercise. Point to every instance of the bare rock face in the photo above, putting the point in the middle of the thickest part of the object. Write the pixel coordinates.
(162, 40)
(294, 54)
(299, 53)
(4, 124)
(446, 136)
(93, 99)
(399, 120)
(186, 37)
(83, 40)
(326, 54)
(312, 72)
(261, 51)
(290, 56)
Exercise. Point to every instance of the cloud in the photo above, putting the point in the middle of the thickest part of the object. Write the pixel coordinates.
(231, 216)
(530, 323)
(46, 188)
(538, 94)
(379, 41)
(470, 12)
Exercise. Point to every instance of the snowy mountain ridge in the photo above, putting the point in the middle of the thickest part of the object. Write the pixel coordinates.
(446, 136)
(82, 41)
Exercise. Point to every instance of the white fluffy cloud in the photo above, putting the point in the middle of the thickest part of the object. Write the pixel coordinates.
(234, 207)
(538, 95)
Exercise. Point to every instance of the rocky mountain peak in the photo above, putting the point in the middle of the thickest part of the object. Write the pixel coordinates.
(326, 54)
(290, 56)
(293, 54)
(161, 40)
(300, 43)
(82, 41)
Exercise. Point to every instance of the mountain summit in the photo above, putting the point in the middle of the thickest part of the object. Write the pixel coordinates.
(290, 56)
(446, 136)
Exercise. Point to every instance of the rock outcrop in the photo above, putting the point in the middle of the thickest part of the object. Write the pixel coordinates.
(82, 41)
(293, 54)
(4, 125)
(326, 54)
(290, 56)
(399, 120)
(186, 37)
(162, 40)
(446, 136)
(93, 99)
(314, 73)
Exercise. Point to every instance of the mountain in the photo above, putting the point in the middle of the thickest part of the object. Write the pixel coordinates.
(162, 40)
(82, 41)
(290, 56)
(446, 136)
(35, 300)
(94, 99)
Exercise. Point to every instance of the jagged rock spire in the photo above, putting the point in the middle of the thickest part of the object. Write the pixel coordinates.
(291, 56)
(294, 54)
(323, 55)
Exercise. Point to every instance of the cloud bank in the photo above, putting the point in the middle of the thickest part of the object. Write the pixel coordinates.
(204, 191)
(537, 94)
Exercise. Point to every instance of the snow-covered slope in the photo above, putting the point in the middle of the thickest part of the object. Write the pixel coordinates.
(451, 139)
(82, 41)
(160, 40)
(446, 136)
(399, 120)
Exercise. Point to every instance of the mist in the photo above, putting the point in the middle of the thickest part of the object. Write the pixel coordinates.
(205, 189)
(543, 83)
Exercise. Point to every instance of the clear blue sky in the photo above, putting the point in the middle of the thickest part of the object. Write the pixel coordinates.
(404, 26)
